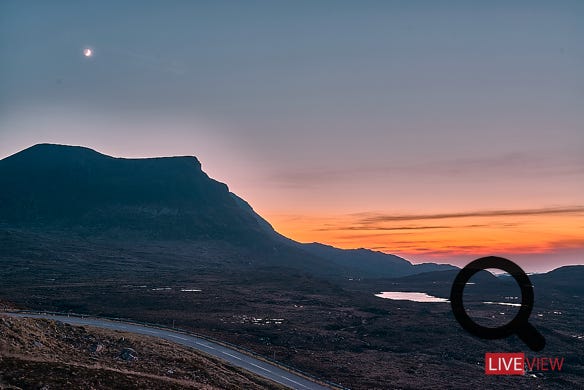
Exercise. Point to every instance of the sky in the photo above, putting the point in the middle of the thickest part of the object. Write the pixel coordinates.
(438, 131)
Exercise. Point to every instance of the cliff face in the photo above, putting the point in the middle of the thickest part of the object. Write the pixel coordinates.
(75, 190)
(69, 187)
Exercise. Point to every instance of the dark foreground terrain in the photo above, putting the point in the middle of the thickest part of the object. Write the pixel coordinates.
(158, 240)
(335, 329)
(42, 354)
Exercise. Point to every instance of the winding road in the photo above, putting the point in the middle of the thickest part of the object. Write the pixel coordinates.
(232, 356)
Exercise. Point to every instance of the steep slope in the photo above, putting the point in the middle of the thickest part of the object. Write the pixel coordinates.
(60, 186)
(355, 262)
(37, 354)
(57, 188)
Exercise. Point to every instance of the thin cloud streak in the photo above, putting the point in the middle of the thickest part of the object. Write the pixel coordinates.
(509, 165)
(398, 228)
(335, 228)
(369, 218)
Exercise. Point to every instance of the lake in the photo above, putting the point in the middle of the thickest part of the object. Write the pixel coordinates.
(423, 297)
(410, 296)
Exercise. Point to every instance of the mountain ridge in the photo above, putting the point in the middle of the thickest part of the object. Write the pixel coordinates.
(77, 188)
(67, 186)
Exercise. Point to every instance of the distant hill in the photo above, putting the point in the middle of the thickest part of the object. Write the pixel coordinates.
(356, 263)
(371, 264)
(75, 189)
(447, 276)
(562, 282)
(568, 279)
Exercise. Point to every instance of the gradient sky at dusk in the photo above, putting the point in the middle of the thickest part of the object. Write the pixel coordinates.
(439, 131)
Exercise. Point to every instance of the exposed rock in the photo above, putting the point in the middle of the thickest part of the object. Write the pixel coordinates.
(96, 348)
(128, 354)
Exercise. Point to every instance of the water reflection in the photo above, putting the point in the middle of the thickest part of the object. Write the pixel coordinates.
(410, 296)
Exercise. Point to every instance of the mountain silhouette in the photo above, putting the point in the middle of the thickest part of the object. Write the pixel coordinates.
(567, 279)
(74, 189)
(354, 262)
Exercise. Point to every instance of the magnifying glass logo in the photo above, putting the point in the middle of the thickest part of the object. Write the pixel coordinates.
(519, 325)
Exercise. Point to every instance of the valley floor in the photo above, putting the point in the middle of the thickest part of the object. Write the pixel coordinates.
(336, 329)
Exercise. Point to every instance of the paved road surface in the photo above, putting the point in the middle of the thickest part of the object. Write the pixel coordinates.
(232, 356)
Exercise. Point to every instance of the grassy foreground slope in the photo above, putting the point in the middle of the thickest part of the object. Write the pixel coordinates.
(43, 354)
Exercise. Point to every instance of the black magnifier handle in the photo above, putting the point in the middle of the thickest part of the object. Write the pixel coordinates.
(531, 337)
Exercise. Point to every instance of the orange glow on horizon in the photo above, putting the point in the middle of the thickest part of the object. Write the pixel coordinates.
(442, 236)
